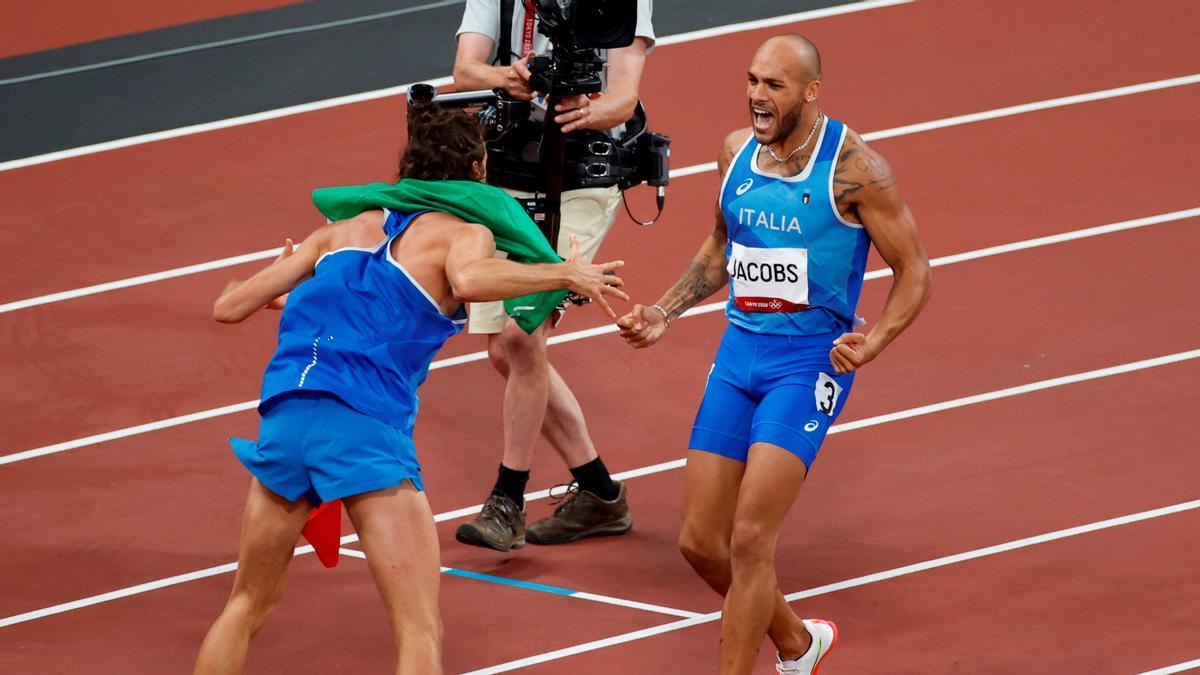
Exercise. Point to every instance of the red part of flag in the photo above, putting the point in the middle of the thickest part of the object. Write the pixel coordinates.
(324, 531)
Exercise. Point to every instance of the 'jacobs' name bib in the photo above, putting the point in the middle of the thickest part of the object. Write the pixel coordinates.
(769, 279)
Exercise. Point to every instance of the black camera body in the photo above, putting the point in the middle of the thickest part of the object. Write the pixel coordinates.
(526, 149)
(576, 30)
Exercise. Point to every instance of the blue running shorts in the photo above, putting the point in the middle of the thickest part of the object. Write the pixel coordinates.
(777, 389)
(311, 444)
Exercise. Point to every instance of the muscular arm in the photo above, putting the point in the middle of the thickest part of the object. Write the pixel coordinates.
(240, 299)
(475, 275)
(707, 272)
(865, 182)
(705, 275)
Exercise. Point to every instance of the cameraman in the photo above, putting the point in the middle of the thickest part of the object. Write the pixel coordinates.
(536, 399)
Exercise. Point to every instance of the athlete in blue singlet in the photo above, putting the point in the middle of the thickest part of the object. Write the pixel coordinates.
(369, 301)
(802, 200)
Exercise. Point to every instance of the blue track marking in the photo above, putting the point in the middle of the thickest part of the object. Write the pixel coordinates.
(507, 582)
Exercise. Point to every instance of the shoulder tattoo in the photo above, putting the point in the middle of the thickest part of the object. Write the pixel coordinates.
(861, 172)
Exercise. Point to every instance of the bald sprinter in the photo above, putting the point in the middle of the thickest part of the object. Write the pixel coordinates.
(802, 200)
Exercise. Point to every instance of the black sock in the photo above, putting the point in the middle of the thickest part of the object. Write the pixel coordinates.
(594, 478)
(511, 484)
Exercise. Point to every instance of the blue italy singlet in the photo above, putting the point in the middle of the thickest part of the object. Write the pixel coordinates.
(795, 265)
(361, 329)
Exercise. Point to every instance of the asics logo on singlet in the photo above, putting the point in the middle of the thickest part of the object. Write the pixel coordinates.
(811, 426)
(744, 187)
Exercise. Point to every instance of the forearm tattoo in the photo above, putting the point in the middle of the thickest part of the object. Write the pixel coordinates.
(698, 282)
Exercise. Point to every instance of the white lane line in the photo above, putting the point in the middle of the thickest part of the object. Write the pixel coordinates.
(139, 280)
(403, 89)
(593, 645)
(298, 30)
(610, 328)
(634, 604)
(129, 431)
(551, 590)
(641, 471)
(1177, 668)
(1041, 105)
(675, 173)
(852, 583)
(118, 594)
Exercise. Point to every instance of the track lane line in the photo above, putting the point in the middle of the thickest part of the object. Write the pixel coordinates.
(552, 590)
(586, 333)
(661, 467)
(399, 90)
(243, 39)
(1177, 668)
(864, 580)
(693, 170)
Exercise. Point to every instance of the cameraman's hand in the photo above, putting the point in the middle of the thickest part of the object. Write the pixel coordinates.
(516, 79)
(642, 327)
(575, 113)
(594, 281)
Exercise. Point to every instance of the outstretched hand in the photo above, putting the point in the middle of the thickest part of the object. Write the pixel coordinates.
(643, 326)
(851, 352)
(594, 280)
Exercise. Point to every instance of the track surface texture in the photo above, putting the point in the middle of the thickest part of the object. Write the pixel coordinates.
(1011, 488)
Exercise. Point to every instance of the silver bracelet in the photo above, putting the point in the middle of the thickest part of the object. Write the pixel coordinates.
(666, 315)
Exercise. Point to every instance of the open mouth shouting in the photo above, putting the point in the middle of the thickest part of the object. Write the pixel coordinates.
(763, 119)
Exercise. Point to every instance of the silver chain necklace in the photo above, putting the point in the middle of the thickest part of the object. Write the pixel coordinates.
(800, 147)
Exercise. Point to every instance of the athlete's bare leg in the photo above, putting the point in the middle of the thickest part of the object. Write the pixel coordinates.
(396, 528)
(534, 391)
(710, 498)
(772, 480)
(270, 527)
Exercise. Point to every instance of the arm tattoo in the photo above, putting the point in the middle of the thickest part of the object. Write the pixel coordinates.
(858, 174)
(698, 282)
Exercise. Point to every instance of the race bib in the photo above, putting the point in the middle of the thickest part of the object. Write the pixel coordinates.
(769, 279)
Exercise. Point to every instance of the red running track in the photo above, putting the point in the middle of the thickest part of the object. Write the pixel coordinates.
(109, 516)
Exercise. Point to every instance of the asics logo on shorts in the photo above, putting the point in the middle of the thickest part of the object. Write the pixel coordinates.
(744, 187)
(811, 426)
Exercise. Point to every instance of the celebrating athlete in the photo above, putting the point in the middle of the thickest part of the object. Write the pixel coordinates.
(372, 299)
(802, 199)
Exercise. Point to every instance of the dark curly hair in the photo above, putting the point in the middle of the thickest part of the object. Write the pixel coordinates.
(443, 144)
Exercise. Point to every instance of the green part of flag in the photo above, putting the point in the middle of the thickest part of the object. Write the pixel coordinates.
(514, 232)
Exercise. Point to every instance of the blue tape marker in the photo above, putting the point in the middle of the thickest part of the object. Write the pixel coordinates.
(508, 582)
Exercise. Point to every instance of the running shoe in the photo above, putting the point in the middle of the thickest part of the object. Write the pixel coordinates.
(500, 525)
(580, 514)
(824, 637)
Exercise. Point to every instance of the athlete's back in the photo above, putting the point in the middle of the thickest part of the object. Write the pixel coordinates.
(365, 327)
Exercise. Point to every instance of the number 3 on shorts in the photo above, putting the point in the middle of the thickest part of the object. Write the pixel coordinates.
(827, 392)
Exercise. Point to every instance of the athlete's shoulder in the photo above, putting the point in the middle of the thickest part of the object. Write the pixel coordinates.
(861, 172)
(451, 229)
(730, 146)
(362, 230)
